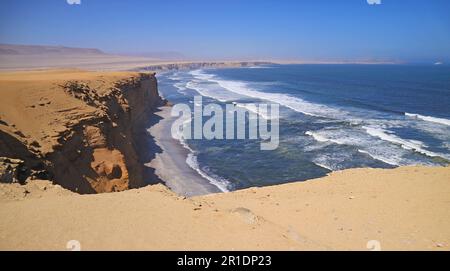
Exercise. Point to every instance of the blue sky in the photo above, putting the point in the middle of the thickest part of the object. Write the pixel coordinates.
(407, 30)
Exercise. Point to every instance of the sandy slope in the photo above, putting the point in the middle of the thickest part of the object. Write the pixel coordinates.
(404, 209)
(35, 104)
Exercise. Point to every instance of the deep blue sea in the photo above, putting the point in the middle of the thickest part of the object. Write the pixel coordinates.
(332, 117)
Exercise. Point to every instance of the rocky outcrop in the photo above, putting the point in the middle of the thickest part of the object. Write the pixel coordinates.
(86, 135)
(13, 170)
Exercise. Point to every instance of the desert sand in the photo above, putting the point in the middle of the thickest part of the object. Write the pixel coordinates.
(36, 57)
(402, 209)
(87, 136)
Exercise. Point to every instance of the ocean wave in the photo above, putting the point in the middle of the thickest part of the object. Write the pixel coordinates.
(429, 119)
(353, 115)
(192, 162)
(367, 131)
(324, 166)
(321, 138)
(383, 151)
(332, 161)
(390, 161)
(294, 103)
(211, 92)
(199, 74)
(318, 110)
(181, 87)
(219, 182)
(412, 145)
(176, 76)
(254, 109)
(257, 67)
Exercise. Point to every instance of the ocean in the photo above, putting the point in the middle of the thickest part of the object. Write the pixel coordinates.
(332, 117)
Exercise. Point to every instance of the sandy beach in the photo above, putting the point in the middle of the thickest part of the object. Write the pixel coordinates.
(170, 165)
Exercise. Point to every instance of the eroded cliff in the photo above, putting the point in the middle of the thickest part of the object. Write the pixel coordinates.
(79, 129)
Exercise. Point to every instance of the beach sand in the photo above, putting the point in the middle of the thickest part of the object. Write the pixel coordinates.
(170, 165)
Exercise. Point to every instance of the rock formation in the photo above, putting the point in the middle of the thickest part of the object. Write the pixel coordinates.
(78, 129)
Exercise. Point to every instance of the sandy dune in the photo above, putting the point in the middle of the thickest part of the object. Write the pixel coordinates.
(403, 209)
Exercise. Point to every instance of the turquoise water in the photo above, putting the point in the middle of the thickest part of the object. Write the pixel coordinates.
(332, 117)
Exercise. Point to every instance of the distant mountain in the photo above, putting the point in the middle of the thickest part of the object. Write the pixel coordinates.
(43, 50)
(163, 55)
(27, 57)
(11, 49)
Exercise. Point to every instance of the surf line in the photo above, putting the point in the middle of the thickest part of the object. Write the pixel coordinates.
(263, 123)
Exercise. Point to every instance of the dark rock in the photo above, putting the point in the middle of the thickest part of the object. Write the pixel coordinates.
(13, 170)
(115, 172)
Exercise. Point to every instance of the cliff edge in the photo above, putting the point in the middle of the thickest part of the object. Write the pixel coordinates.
(79, 129)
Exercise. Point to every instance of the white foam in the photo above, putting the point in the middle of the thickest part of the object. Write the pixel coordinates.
(393, 162)
(220, 183)
(386, 135)
(321, 138)
(430, 119)
(211, 92)
(254, 109)
(201, 75)
(175, 76)
(331, 161)
(192, 162)
(386, 154)
(324, 166)
(286, 100)
(329, 136)
(181, 87)
(257, 67)
(377, 149)
(387, 147)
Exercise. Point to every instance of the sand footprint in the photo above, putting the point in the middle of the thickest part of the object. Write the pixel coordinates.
(247, 215)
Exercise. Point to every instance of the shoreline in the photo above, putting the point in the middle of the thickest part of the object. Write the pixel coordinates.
(170, 164)
(405, 208)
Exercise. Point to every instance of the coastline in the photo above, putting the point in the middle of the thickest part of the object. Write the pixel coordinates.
(170, 164)
(405, 208)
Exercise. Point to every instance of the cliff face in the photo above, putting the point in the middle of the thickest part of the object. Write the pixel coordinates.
(78, 129)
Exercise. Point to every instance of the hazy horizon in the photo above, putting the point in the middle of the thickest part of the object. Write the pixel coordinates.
(354, 30)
